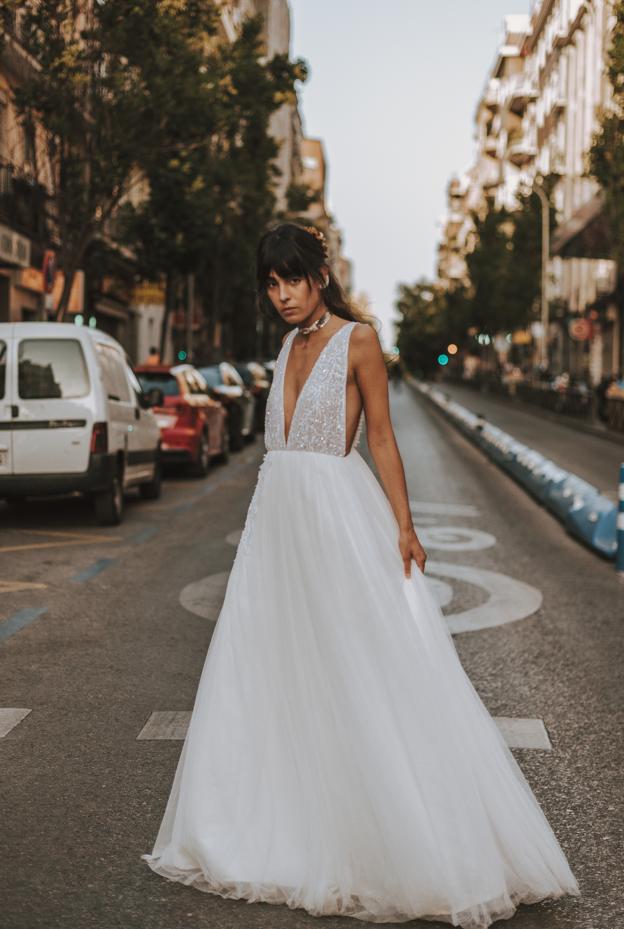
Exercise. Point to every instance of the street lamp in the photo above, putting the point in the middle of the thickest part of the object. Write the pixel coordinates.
(537, 189)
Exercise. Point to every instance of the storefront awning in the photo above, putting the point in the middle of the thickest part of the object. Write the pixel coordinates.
(584, 235)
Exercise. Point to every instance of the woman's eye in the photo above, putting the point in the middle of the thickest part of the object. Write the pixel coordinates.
(294, 280)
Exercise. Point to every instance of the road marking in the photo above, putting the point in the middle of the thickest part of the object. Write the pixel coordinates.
(65, 539)
(509, 600)
(445, 509)
(18, 620)
(442, 592)
(518, 733)
(10, 717)
(166, 724)
(96, 568)
(144, 536)
(524, 733)
(11, 587)
(456, 538)
(205, 597)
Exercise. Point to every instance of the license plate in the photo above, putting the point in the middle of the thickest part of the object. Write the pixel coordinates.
(165, 422)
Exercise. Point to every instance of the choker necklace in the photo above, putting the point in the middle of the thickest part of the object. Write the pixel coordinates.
(320, 322)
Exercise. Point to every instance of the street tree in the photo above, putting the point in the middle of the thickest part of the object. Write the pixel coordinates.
(211, 196)
(606, 154)
(422, 326)
(84, 106)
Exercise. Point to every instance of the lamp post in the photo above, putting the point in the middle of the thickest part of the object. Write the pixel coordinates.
(537, 189)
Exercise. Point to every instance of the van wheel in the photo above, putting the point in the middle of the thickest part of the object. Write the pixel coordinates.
(109, 503)
(199, 468)
(151, 489)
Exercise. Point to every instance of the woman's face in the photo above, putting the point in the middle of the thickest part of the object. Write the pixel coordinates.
(294, 298)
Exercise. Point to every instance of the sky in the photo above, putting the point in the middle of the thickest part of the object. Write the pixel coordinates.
(392, 93)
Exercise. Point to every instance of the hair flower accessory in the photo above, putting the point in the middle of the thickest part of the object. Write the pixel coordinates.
(319, 236)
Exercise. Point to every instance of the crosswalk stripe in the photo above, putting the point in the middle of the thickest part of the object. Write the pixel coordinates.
(518, 733)
(10, 717)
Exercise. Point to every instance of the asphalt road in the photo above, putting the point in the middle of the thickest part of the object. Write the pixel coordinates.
(119, 636)
(592, 457)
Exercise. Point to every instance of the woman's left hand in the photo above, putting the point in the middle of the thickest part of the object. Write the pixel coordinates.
(410, 548)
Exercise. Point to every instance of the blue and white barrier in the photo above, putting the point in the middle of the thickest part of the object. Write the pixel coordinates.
(619, 558)
(584, 511)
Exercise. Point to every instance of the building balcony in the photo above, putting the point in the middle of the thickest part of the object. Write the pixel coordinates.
(521, 95)
(13, 55)
(521, 153)
(490, 146)
(490, 97)
(22, 202)
(561, 38)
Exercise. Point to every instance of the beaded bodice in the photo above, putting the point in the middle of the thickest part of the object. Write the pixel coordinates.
(319, 419)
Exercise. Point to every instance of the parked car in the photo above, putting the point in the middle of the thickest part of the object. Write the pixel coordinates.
(193, 426)
(73, 418)
(225, 383)
(256, 380)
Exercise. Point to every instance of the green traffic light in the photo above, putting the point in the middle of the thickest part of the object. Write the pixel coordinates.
(443, 359)
(182, 356)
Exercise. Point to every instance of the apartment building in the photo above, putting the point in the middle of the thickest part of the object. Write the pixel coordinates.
(536, 118)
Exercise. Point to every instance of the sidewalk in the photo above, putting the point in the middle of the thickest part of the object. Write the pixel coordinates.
(580, 451)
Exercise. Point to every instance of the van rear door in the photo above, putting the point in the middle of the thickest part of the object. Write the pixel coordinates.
(53, 428)
(6, 409)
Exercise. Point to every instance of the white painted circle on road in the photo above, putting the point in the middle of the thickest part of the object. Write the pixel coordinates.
(509, 598)
(456, 539)
(205, 597)
(442, 592)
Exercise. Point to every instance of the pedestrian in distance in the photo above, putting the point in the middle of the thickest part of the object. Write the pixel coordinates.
(338, 759)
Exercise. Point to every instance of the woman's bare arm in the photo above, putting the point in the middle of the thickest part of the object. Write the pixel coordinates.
(372, 380)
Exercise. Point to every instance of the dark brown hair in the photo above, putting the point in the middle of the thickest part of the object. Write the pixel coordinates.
(290, 250)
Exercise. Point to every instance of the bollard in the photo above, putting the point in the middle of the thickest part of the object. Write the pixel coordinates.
(619, 558)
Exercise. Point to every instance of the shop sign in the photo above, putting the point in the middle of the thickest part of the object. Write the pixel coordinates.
(580, 329)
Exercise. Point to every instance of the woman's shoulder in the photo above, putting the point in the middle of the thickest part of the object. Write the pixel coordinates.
(365, 336)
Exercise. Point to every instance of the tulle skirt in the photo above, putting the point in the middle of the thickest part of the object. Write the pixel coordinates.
(338, 758)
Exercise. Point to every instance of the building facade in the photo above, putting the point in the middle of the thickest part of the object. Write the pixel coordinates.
(536, 119)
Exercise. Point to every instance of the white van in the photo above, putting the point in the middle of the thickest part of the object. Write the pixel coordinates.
(73, 417)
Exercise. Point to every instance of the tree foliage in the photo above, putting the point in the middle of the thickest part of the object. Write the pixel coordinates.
(421, 326)
(156, 132)
(606, 155)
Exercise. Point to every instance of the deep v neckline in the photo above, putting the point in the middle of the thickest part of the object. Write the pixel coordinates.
(305, 383)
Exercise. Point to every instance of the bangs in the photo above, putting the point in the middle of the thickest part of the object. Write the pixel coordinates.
(283, 256)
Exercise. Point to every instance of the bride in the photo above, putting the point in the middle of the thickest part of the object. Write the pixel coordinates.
(338, 759)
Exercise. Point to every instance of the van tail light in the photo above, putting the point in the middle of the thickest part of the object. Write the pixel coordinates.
(99, 439)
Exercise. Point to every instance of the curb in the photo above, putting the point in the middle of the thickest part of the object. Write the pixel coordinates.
(586, 513)
(569, 422)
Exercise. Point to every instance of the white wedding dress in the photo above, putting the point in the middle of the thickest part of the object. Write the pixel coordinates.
(338, 758)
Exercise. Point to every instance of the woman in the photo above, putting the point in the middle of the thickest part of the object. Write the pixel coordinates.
(338, 758)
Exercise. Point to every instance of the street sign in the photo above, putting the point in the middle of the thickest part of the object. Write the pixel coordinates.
(580, 329)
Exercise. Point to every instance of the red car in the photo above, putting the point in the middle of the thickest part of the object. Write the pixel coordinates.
(193, 426)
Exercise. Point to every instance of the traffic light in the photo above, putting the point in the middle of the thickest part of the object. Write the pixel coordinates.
(182, 355)
(443, 359)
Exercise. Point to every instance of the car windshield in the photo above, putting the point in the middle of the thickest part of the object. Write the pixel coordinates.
(166, 382)
(211, 375)
(245, 373)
